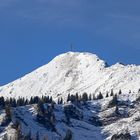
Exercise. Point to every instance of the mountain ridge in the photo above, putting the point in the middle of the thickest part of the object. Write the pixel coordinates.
(74, 72)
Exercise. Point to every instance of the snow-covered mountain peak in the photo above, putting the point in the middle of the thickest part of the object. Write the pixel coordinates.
(75, 60)
(74, 72)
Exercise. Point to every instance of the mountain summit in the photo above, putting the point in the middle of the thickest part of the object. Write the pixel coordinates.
(74, 72)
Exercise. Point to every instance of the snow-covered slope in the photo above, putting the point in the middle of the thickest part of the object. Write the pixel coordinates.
(92, 120)
(74, 72)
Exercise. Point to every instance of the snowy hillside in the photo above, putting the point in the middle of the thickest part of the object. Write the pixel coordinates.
(75, 72)
(89, 120)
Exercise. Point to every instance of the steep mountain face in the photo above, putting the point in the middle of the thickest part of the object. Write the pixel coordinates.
(74, 72)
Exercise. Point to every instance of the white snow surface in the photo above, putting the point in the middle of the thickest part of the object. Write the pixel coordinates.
(74, 72)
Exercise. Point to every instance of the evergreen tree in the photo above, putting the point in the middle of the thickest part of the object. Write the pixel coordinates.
(46, 99)
(68, 98)
(114, 101)
(107, 95)
(117, 110)
(8, 113)
(36, 99)
(14, 103)
(85, 97)
(58, 101)
(90, 98)
(94, 98)
(120, 92)
(21, 102)
(40, 108)
(72, 98)
(61, 100)
(2, 102)
(50, 100)
(77, 97)
(31, 100)
(40, 112)
(112, 93)
(26, 102)
(100, 96)
(7, 102)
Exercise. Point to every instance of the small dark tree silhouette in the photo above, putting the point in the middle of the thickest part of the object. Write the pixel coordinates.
(112, 93)
(100, 96)
(85, 97)
(107, 95)
(120, 92)
(113, 102)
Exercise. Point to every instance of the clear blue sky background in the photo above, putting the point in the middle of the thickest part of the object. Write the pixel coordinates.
(32, 32)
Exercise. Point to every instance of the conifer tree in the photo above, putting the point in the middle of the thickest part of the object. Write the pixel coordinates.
(58, 101)
(117, 110)
(68, 98)
(90, 98)
(72, 98)
(8, 113)
(85, 97)
(26, 102)
(112, 93)
(114, 101)
(50, 100)
(100, 96)
(2, 102)
(77, 97)
(61, 100)
(31, 100)
(40, 108)
(120, 92)
(107, 95)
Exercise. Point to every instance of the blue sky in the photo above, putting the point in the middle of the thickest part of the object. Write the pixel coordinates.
(32, 32)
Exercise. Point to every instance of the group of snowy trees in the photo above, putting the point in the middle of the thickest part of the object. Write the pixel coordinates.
(45, 114)
(12, 102)
(85, 97)
(46, 99)
(45, 109)
(78, 98)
